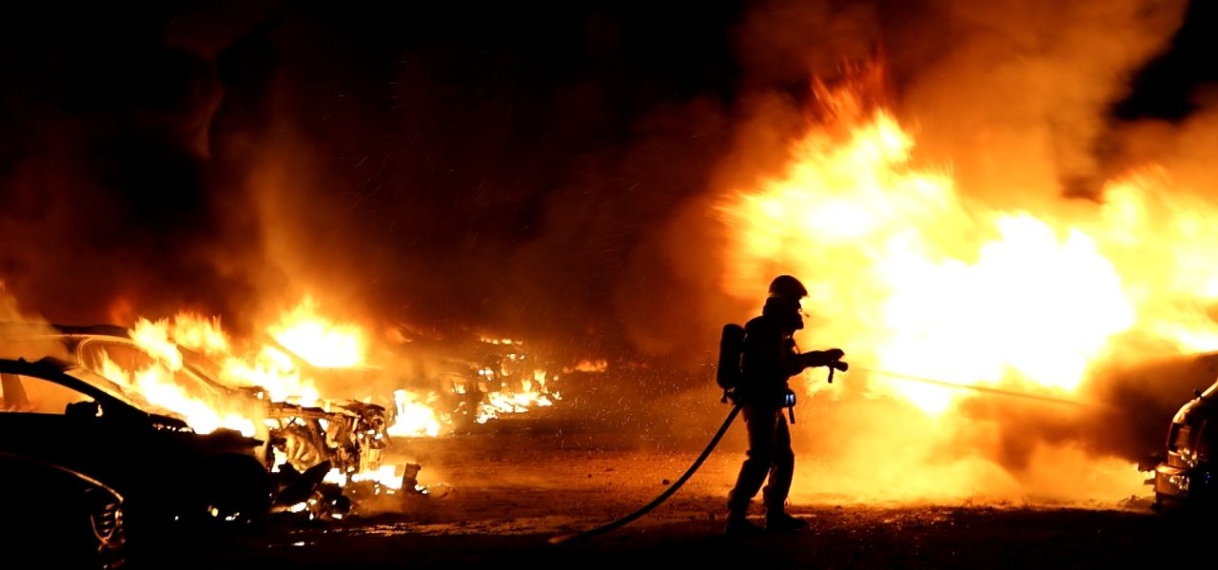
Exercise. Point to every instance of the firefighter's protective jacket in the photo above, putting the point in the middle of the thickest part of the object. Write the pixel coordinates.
(771, 358)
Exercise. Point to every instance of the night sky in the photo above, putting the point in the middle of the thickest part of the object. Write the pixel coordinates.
(510, 166)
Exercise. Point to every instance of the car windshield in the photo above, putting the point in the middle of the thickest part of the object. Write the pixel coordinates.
(123, 361)
(114, 390)
(202, 368)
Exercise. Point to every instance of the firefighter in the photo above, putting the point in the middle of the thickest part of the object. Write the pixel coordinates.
(770, 358)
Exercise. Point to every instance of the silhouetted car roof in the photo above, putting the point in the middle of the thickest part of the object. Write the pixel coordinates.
(88, 382)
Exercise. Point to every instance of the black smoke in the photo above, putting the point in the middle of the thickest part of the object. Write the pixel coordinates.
(501, 166)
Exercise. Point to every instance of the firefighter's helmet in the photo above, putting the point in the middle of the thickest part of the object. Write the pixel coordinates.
(787, 287)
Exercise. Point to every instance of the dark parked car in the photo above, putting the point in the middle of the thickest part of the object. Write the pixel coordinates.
(1186, 478)
(78, 518)
(170, 476)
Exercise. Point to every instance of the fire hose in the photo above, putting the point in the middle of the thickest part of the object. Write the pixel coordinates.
(727, 422)
(731, 416)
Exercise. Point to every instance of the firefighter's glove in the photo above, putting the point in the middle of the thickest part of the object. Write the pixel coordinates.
(840, 366)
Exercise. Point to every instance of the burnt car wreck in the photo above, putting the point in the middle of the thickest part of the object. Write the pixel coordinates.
(324, 447)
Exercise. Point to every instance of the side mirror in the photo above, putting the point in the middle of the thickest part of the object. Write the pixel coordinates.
(83, 410)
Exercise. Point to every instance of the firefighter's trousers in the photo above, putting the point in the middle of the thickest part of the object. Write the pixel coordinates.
(769, 457)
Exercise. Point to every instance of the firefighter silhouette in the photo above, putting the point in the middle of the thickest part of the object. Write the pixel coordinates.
(770, 358)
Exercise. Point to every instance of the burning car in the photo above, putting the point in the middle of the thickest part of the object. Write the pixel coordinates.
(341, 439)
(1186, 477)
(475, 382)
(58, 412)
(348, 434)
(80, 515)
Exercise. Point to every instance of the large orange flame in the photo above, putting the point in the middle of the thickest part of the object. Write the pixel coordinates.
(915, 280)
(159, 381)
(318, 340)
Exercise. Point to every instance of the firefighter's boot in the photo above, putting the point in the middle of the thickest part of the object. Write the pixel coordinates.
(739, 526)
(781, 522)
(776, 518)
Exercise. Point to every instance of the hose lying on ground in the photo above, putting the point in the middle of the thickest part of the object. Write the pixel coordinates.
(731, 416)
